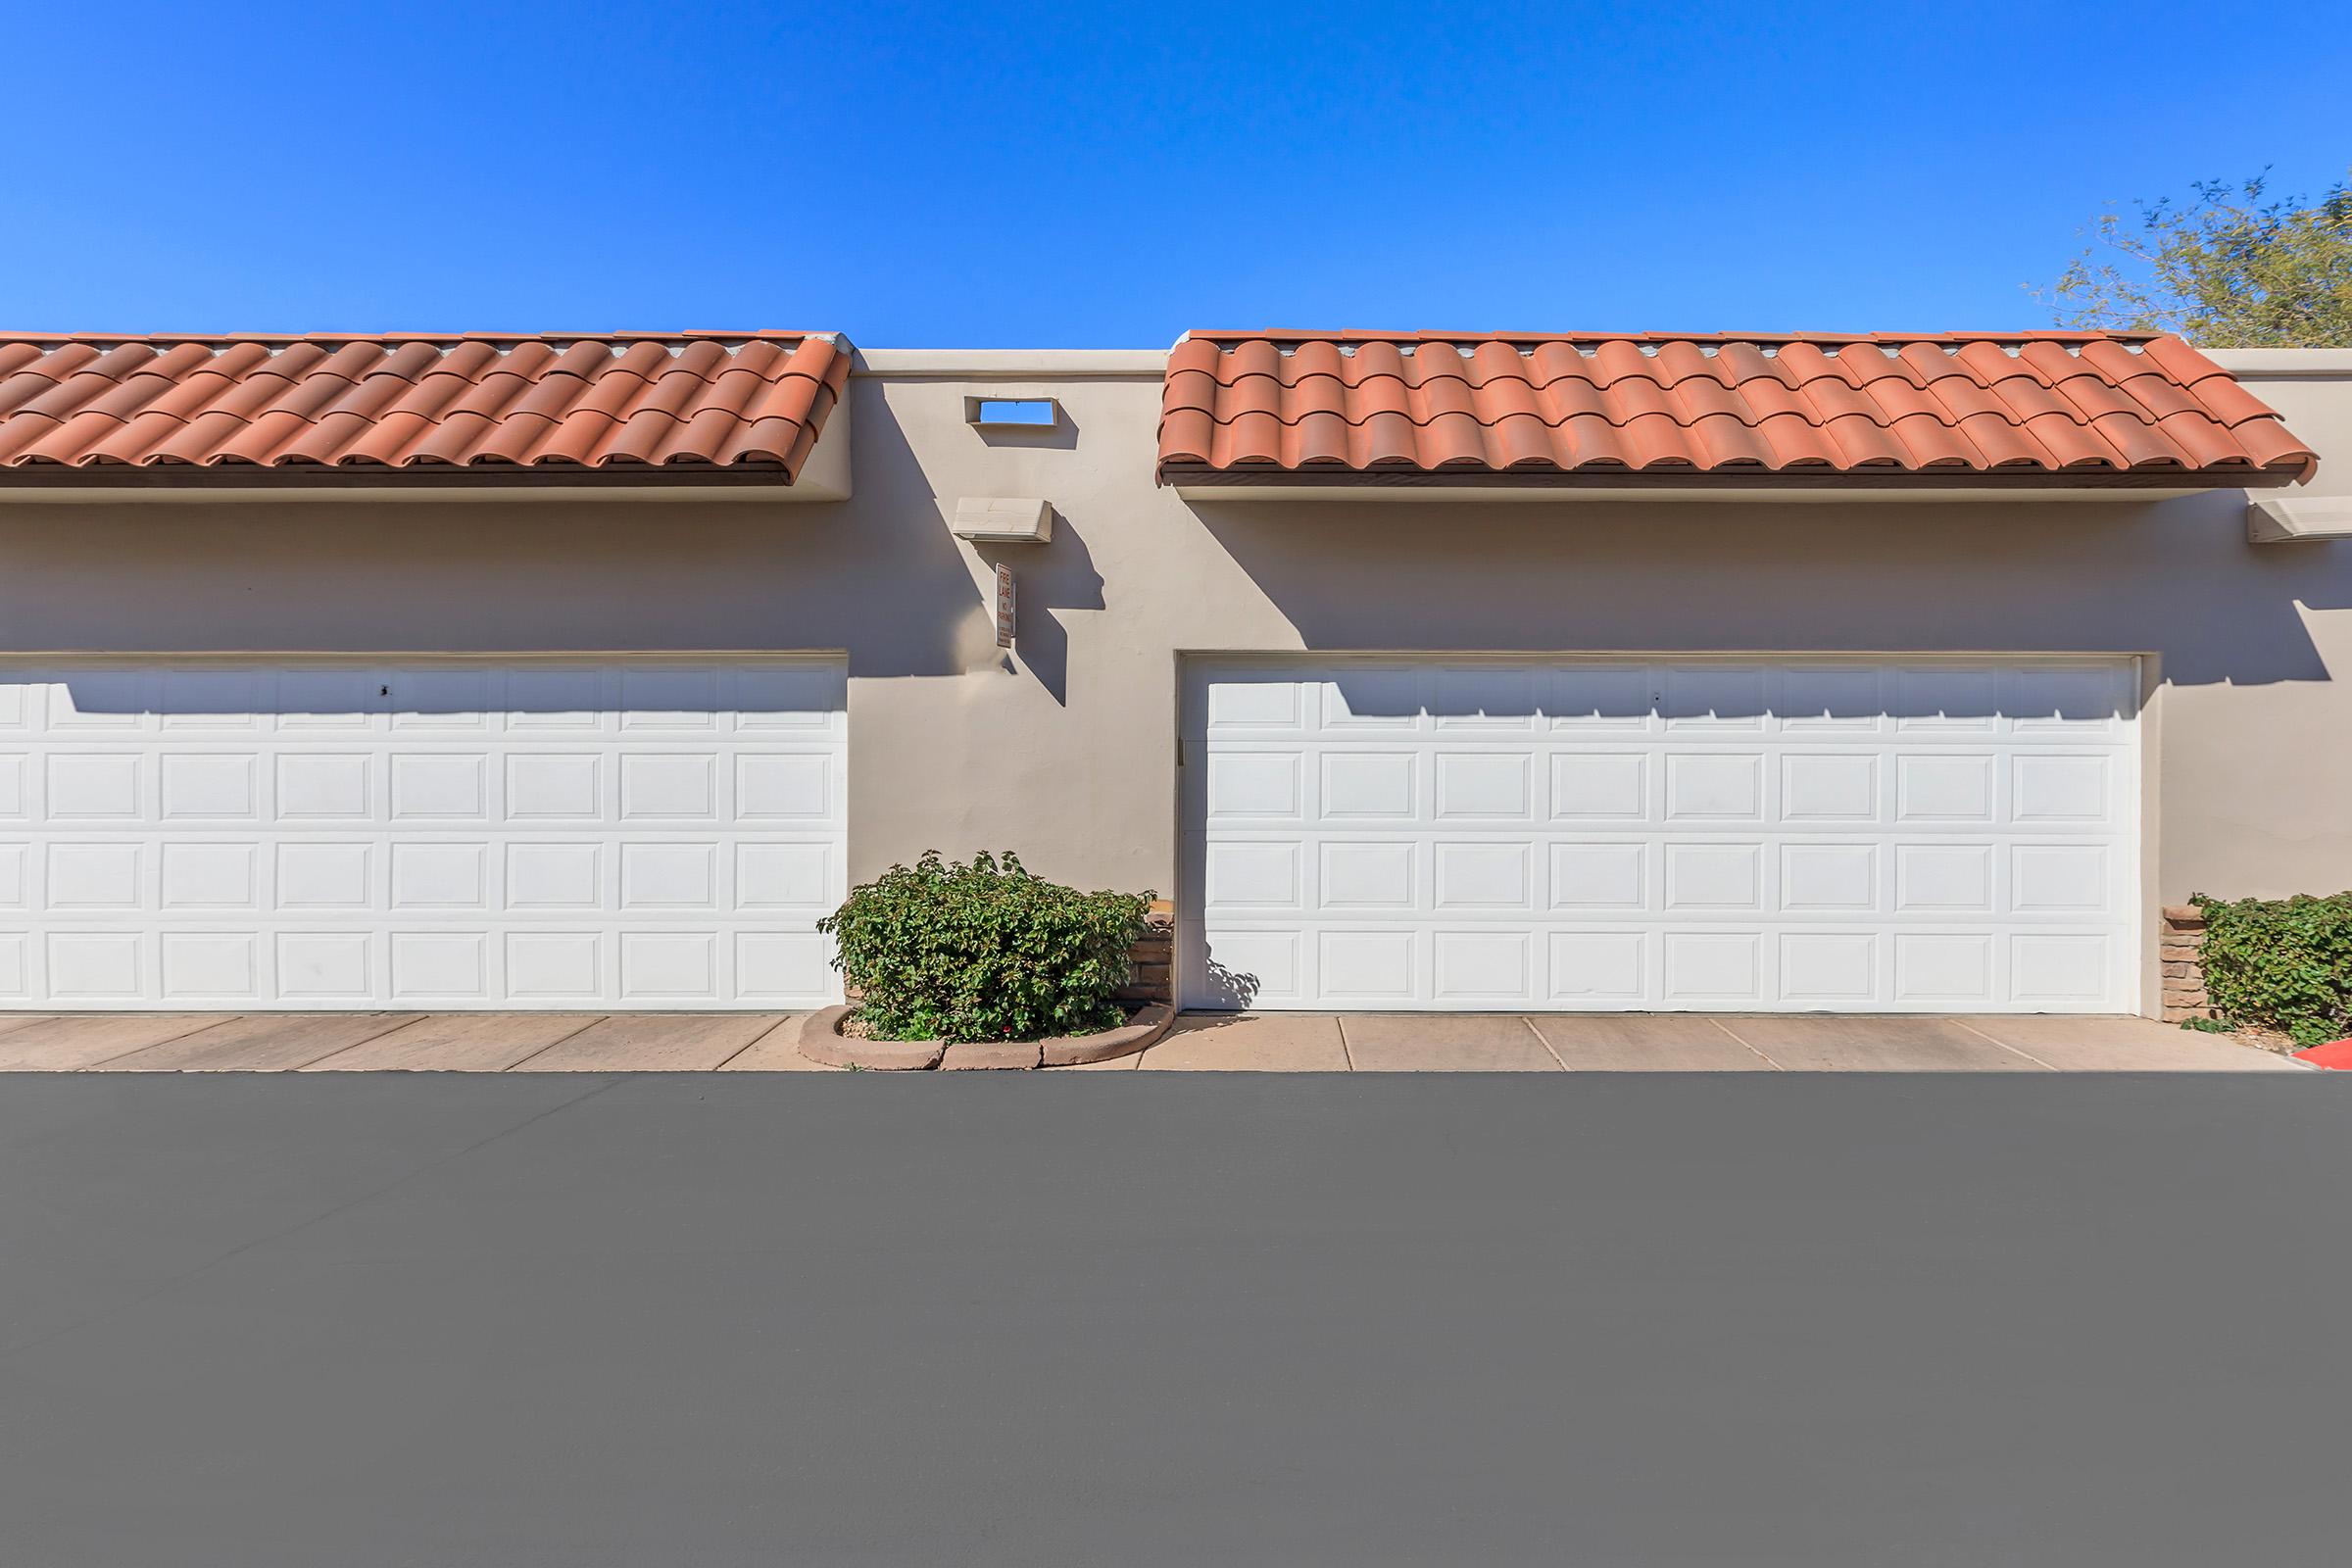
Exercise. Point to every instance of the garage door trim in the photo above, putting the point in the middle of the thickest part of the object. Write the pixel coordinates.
(537, 805)
(1966, 721)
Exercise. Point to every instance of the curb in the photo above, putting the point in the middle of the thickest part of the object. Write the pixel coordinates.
(822, 1041)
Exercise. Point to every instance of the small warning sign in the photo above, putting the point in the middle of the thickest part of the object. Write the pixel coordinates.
(1003, 605)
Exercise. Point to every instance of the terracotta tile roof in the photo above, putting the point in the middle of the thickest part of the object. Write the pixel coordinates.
(744, 404)
(2032, 407)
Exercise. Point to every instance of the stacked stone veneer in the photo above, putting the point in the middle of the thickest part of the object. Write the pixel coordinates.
(2182, 950)
(1154, 957)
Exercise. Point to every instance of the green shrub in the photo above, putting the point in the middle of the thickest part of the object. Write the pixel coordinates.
(944, 951)
(2284, 963)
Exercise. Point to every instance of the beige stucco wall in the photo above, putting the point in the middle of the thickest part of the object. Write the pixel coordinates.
(1066, 752)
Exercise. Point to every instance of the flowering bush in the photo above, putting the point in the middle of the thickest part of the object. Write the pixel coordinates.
(948, 950)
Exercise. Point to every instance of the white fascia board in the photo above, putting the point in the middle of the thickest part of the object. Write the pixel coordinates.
(1012, 364)
(2286, 519)
(2274, 365)
(1471, 495)
(364, 495)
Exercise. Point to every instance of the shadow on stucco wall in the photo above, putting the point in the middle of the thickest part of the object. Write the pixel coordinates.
(879, 575)
(1048, 579)
(2177, 579)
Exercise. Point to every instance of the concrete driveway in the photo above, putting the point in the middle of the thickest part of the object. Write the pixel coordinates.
(1629, 1042)
(611, 1320)
(1295, 1041)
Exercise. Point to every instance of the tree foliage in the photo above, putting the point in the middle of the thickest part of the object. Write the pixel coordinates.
(2229, 268)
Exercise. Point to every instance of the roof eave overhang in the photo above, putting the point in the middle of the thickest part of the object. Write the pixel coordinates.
(823, 475)
(813, 464)
(1201, 483)
(245, 484)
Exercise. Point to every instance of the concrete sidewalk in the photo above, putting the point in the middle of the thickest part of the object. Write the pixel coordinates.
(1689, 1042)
(1201, 1042)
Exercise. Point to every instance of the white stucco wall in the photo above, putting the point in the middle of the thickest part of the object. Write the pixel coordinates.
(1066, 752)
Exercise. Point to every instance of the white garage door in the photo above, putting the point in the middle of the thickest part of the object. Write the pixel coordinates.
(550, 833)
(1805, 835)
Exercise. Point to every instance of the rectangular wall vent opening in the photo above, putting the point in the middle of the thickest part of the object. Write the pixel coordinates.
(1015, 414)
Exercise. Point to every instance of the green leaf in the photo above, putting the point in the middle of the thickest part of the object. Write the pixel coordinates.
(984, 951)
(2284, 963)
(2231, 268)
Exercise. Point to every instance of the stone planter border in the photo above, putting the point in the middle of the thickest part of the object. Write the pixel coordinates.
(2181, 948)
(822, 1041)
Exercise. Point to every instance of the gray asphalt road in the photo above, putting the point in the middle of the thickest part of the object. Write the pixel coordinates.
(1193, 1319)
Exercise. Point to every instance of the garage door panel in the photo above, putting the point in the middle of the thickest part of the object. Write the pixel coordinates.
(1829, 699)
(378, 832)
(1483, 876)
(1713, 786)
(556, 968)
(1826, 789)
(328, 698)
(1370, 787)
(1483, 786)
(211, 966)
(1483, 968)
(97, 966)
(1945, 967)
(1260, 704)
(1828, 969)
(785, 786)
(2062, 788)
(1616, 699)
(557, 697)
(1256, 875)
(2091, 701)
(1599, 968)
(1246, 968)
(1833, 880)
(119, 701)
(2065, 879)
(1599, 786)
(1714, 700)
(1257, 786)
(440, 969)
(1714, 968)
(2060, 966)
(777, 878)
(1946, 701)
(1663, 833)
(1379, 876)
(1376, 699)
(1607, 877)
(436, 698)
(1370, 966)
(786, 697)
(1493, 701)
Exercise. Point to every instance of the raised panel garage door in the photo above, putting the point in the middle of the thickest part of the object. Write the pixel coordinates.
(1800, 834)
(352, 834)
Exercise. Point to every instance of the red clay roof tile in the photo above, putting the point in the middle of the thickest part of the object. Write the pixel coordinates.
(2084, 405)
(418, 403)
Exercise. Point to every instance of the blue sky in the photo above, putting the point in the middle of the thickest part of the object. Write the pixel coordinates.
(1035, 174)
